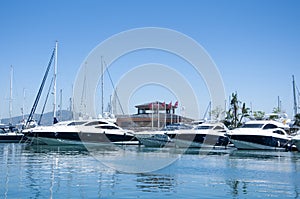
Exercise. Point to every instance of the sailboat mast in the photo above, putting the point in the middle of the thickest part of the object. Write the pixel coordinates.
(102, 89)
(54, 84)
(10, 95)
(60, 106)
(295, 100)
(23, 106)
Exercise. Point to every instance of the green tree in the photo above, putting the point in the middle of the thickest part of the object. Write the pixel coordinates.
(234, 107)
(297, 119)
(244, 114)
(276, 110)
(258, 115)
(217, 113)
(236, 113)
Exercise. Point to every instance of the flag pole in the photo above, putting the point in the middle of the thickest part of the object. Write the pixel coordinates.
(171, 112)
(157, 115)
(152, 116)
(165, 113)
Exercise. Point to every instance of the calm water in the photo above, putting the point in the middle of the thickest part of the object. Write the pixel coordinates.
(68, 172)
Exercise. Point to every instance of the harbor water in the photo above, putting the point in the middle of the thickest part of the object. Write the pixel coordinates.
(73, 172)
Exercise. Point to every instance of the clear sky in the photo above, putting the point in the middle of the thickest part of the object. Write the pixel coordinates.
(255, 45)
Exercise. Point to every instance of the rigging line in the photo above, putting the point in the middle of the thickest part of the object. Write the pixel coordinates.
(298, 90)
(40, 90)
(207, 109)
(82, 110)
(39, 122)
(114, 88)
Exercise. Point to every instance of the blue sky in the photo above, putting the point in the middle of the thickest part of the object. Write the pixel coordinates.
(255, 45)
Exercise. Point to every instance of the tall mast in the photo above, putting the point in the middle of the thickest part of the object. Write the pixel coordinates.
(23, 106)
(54, 84)
(10, 95)
(102, 89)
(295, 100)
(279, 104)
(60, 106)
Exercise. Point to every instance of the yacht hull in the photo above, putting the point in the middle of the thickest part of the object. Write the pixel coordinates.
(296, 142)
(256, 142)
(190, 140)
(10, 138)
(153, 140)
(81, 138)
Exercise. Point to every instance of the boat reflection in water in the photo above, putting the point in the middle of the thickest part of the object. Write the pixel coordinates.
(156, 183)
(44, 171)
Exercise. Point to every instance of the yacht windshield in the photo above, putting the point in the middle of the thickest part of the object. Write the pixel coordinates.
(76, 123)
(106, 127)
(203, 127)
(173, 127)
(95, 123)
(252, 125)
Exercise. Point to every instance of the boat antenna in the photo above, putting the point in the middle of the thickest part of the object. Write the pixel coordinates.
(54, 85)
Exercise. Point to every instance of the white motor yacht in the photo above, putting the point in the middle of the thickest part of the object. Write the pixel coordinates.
(97, 131)
(261, 135)
(9, 134)
(160, 138)
(202, 135)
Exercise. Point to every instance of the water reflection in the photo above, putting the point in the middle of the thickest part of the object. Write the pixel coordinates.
(62, 150)
(156, 183)
(260, 154)
(264, 174)
(72, 172)
(237, 188)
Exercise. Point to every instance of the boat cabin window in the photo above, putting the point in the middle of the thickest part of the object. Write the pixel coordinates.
(218, 128)
(203, 127)
(270, 126)
(280, 132)
(106, 127)
(75, 123)
(2, 131)
(95, 123)
(252, 125)
(174, 127)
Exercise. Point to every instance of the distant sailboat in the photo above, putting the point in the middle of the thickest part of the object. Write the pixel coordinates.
(9, 133)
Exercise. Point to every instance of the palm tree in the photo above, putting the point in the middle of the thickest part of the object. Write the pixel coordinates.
(297, 119)
(245, 113)
(235, 106)
(234, 117)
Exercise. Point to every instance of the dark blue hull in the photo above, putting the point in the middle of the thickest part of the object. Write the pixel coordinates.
(259, 142)
(10, 138)
(74, 137)
(198, 140)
